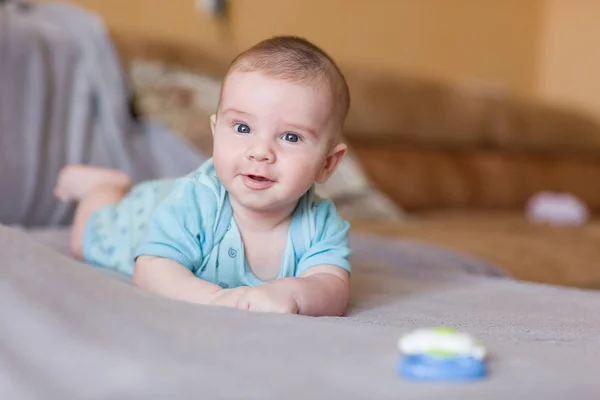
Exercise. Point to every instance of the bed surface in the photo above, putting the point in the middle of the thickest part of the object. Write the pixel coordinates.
(73, 332)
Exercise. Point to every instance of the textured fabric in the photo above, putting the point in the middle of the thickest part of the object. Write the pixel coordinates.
(75, 333)
(112, 233)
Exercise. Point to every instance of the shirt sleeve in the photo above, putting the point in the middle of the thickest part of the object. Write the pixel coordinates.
(180, 225)
(330, 245)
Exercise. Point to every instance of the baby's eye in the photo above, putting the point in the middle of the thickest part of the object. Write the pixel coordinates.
(241, 128)
(291, 137)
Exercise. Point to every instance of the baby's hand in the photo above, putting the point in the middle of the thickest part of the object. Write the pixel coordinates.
(228, 297)
(268, 298)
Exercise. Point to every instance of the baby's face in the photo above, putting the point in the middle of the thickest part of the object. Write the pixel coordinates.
(272, 140)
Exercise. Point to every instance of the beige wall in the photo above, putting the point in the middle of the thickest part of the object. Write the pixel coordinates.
(542, 48)
(569, 68)
(465, 40)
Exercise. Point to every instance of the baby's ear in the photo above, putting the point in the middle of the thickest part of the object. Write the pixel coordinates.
(332, 161)
(213, 123)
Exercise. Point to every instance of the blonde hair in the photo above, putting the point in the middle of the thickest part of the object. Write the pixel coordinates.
(295, 59)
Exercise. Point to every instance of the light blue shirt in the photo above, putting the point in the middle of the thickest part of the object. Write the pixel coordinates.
(194, 226)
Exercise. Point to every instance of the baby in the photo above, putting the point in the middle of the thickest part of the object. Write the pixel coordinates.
(246, 229)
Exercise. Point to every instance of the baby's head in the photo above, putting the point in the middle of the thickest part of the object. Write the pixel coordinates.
(278, 125)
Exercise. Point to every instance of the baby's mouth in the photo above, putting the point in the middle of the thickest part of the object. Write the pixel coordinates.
(257, 182)
(259, 178)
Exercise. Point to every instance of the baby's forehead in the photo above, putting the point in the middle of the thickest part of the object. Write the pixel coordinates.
(239, 82)
(317, 83)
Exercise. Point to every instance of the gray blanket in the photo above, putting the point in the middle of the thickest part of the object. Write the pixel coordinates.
(64, 100)
(73, 332)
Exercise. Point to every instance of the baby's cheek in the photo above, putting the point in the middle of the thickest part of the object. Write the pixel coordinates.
(226, 149)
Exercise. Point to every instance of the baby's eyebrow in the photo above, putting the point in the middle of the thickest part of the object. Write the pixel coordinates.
(234, 111)
(303, 128)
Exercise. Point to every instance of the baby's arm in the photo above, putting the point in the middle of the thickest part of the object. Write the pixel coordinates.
(168, 278)
(322, 290)
(173, 247)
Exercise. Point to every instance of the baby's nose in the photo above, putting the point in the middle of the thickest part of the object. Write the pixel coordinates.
(260, 151)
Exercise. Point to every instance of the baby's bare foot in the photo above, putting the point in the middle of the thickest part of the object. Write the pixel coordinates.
(75, 181)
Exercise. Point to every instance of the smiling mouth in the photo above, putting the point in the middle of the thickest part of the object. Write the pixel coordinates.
(257, 182)
(258, 178)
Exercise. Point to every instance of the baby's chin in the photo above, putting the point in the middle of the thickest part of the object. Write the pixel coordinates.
(265, 204)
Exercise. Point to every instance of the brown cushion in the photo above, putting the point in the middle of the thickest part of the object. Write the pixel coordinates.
(418, 178)
(426, 112)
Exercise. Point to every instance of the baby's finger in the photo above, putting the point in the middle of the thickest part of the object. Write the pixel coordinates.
(243, 304)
